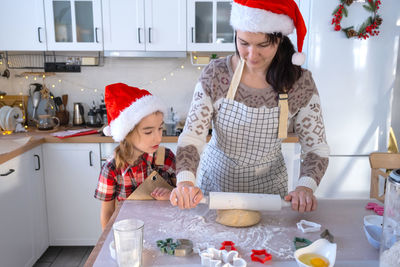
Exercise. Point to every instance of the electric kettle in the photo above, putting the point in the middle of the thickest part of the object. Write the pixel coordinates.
(78, 118)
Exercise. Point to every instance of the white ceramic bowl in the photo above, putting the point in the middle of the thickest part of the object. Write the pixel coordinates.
(373, 234)
(321, 247)
(373, 220)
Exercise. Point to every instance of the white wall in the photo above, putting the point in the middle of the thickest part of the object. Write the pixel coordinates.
(147, 73)
(396, 100)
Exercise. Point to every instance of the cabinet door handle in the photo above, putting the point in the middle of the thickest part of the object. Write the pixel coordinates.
(149, 35)
(38, 161)
(8, 173)
(38, 33)
(192, 33)
(97, 37)
(90, 158)
(138, 33)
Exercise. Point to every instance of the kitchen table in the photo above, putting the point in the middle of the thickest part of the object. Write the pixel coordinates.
(275, 233)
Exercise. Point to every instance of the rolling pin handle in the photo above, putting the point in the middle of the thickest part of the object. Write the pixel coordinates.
(286, 203)
(204, 200)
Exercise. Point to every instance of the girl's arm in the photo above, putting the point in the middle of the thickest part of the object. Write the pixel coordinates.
(107, 209)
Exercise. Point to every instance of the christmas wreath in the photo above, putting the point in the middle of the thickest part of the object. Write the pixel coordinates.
(368, 28)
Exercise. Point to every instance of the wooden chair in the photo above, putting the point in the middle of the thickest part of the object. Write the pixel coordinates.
(379, 161)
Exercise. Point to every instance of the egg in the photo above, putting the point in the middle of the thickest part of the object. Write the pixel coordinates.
(314, 260)
(320, 253)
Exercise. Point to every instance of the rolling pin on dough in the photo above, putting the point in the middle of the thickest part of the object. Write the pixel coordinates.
(244, 201)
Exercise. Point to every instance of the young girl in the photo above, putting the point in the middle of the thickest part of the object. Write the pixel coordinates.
(135, 121)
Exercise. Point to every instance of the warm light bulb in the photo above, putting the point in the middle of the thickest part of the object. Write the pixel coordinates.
(172, 74)
(26, 126)
(182, 67)
(53, 85)
(95, 90)
(164, 79)
(51, 97)
(34, 78)
(194, 57)
(44, 76)
(1, 97)
(20, 105)
(198, 68)
(20, 93)
(23, 117)
(59, 81)
(26, 77)
(82, 89)
(1, 62)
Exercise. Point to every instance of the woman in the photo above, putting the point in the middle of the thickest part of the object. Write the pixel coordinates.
(250, 97)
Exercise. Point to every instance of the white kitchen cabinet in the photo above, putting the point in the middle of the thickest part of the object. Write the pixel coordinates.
(23, 223)
(71, 175)
(73, 25)
(34, 167)
(22, 26)
(208, 27)
(144, 25)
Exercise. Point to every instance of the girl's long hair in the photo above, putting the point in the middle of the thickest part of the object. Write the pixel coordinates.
(281, 74)
(124, 152)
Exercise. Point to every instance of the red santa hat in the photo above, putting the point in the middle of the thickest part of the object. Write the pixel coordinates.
(126, 107)
(269, 16)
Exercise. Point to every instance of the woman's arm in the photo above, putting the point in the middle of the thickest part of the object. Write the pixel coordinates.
(107, 209)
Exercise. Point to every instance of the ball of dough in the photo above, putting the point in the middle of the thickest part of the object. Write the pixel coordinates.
(238, 218)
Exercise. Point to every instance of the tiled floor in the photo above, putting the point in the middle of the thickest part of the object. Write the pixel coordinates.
(64, 256)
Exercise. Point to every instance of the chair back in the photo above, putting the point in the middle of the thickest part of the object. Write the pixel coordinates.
(381, 165)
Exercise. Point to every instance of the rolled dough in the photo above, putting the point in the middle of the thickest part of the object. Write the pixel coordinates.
(238, 218)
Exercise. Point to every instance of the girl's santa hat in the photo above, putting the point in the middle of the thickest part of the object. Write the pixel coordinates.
(270, 16)
(126, 107)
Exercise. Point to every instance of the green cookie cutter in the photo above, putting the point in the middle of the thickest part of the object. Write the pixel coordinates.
(300, 242)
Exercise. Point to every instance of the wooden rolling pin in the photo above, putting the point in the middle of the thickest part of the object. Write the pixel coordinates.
(244, 201)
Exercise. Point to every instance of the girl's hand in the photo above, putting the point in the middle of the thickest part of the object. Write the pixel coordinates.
(303, 199)
(186, 195)
(161, 193)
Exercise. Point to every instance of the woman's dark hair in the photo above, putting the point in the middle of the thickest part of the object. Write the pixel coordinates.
(281, 74)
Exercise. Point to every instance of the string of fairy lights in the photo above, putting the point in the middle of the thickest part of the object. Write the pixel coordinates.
(53, 82)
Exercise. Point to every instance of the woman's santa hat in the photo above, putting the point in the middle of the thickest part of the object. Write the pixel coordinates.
(269, 16)
(126, 107)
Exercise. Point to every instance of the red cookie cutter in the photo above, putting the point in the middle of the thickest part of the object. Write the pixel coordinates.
(378, 209)
(228, 244)
(256, 253)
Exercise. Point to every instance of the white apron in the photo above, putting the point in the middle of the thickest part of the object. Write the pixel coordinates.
(244, 153)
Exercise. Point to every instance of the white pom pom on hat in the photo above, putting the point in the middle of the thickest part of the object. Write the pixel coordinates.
(126, 107)
(269, 16)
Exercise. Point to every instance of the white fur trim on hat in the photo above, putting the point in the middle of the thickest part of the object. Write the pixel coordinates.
(298, 59)
(132, 115)
(258, 20)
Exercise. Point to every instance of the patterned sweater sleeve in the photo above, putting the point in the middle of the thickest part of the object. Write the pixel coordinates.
(309, 126)
(193, 139)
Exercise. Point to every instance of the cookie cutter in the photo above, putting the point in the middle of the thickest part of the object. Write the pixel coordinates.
(327, 235)
(229, 244)
(255, 256)
(180, 248)
(199, 247)
(378, 209)
(300, 242)
(307, 226)
(213, 257)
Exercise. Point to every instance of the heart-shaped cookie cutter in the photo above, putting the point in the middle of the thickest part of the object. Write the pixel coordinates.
(213, 257)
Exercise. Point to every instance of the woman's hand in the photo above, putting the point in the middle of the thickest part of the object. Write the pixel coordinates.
(161, 193)
(186, 195)
(303, 199)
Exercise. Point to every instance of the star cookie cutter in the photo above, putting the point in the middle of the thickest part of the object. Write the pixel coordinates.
(213, 257)
(307, 226)
(255, 256)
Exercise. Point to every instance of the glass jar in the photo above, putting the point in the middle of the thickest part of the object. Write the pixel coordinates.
(390, 241)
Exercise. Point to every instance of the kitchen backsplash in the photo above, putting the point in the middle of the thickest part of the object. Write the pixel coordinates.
(171, 79)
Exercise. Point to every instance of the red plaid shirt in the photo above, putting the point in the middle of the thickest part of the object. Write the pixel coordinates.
(121, 183)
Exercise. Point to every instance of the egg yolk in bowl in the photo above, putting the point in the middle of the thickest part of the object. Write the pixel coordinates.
(314, 260)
